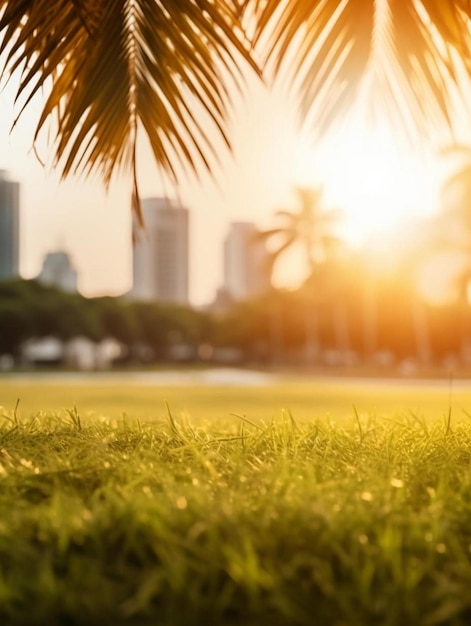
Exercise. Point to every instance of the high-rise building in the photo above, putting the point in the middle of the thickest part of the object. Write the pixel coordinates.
(246, 269)
(160, 256)
(9, 227)
(58, 271)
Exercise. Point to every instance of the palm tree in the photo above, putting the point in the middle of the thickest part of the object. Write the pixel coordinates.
(416, 254)
(113, 70)
(454, 226)
(311, 228)
(456, 190)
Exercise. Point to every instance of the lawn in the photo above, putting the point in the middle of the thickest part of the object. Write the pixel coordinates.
(306, 398)
(320, 503)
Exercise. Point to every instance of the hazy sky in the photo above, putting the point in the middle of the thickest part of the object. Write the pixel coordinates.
(368, 175)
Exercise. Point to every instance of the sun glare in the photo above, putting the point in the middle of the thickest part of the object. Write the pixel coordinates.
(377, 180)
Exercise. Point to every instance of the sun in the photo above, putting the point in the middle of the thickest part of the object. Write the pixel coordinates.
(376, 178)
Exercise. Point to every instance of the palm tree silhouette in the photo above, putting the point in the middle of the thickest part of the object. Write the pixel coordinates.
(456, 190)
(312, 228)
(453, 225)
(113, 70)
(454, 231)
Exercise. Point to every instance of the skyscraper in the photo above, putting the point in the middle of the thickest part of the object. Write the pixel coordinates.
(9, 227)
(245, 262)
(160, 256)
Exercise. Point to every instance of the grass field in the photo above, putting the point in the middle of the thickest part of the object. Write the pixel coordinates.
(306, 398)
(321, 503)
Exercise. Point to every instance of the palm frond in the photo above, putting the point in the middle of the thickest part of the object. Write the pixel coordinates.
(311, 226)
(398, 56)
(115, 68)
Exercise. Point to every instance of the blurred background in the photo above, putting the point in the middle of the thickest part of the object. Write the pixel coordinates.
(297, 294)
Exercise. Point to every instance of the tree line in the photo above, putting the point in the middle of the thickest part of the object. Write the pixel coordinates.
(355, 321)
(29, 309)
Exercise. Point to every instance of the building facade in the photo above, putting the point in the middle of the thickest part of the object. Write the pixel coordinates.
(161, 254)
(58, 271)
(246, 268)
(9, 227)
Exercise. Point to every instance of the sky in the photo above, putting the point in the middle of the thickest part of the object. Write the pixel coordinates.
(374, 177)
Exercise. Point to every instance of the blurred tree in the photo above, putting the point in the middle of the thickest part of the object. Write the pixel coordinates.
(52, 312)
(454, 232)
(456, 190)
(62, 315)
(161, 326)
(16, 325)
(415, 255)
(76, 316)
(244, 327)
(365, 282)
(310, 228)
(336, 281)
(117, 318)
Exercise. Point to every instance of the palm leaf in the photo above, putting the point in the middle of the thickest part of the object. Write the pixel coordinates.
(115, 68)
(399, 56)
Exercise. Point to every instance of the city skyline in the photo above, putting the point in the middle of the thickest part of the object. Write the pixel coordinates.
(94, 224)
(160, 259)
(270, 156)
(160, 273)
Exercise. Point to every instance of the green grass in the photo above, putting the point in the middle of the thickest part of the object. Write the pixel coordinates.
(266, 518)
(306, 398)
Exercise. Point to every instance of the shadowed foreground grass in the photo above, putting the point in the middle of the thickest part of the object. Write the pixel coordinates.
(108, 521)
